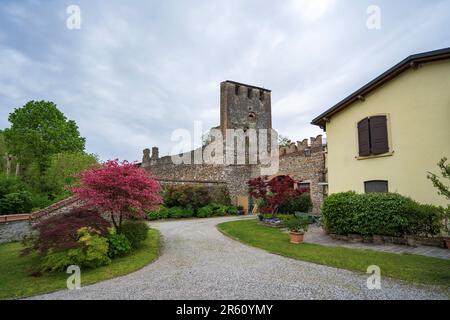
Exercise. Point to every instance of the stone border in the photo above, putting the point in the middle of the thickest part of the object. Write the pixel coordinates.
(412, 241)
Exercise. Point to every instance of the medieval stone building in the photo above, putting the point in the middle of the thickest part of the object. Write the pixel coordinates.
(244, 107)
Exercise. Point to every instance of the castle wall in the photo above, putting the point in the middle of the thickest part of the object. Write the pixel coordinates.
(306, 163)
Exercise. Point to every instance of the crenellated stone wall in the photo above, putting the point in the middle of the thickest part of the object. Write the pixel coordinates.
(306, 162)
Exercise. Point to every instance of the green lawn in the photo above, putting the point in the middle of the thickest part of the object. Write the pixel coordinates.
(412, 268)
(16, 282)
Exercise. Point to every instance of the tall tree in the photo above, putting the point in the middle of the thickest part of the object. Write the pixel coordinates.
(39, 130)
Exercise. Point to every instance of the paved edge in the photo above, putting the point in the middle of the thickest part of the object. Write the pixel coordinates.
(441, 288)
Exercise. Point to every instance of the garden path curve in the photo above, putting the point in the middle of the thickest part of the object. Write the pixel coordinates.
(198, 262)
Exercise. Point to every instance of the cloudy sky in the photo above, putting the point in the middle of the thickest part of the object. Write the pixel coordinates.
(137, 70)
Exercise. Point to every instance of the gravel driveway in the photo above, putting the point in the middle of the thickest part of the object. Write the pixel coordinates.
(198, 262)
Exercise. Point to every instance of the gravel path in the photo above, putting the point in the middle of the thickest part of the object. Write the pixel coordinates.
(198, 262)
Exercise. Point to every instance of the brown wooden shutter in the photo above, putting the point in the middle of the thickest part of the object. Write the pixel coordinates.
(364, 137)
(378, 135)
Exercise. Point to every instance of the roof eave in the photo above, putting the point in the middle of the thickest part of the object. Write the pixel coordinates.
(382, 79)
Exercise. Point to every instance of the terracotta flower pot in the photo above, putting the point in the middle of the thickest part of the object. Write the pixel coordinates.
(296, 237)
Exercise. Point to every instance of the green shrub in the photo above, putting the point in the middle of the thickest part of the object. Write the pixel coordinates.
(185, 196)
(91, 252)
(233, 210)
(14, 196)
(16, 202)
(153, 215)
(163, 212)
(219, 210)
(119, 245)
(40, 200)
(205, 212)
(387, 214)
(300, 203)
(297, 224)
(135, 231)
(426, 220)
(179, 212)
(220, 195)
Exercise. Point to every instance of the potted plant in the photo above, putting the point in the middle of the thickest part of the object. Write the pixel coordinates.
(297, 227)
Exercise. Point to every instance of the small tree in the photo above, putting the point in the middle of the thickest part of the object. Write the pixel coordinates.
(121, 189)
(274, 192)
(437, 183)
(443, 189)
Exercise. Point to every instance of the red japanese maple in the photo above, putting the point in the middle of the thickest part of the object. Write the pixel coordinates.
(275, 191)
(121, 189)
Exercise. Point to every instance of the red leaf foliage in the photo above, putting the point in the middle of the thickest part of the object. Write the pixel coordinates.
(122, 189)
(60, 231)
(274, 191)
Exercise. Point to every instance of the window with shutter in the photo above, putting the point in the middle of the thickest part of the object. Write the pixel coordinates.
(376, 186)
(364, 137)
(378, 135)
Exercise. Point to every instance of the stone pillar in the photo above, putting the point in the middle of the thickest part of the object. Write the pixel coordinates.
(146, 157)
(155, 153)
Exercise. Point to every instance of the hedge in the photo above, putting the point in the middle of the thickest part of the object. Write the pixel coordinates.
(211, 210)
(388, 214)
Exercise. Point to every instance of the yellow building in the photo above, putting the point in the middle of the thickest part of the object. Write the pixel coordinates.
(387, 135)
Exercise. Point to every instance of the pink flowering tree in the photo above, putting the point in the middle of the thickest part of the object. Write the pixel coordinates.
(122, 189)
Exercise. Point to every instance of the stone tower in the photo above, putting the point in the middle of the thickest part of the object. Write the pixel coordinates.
(244, 106)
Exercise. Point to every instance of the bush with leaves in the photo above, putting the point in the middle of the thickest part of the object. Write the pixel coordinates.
(205, 212)
(135, 231)
(16, 202)
(91, 251)
(60, 232)
(179, 212)
(298, 203)
(220, 195)
(186, 196)
(119, 245)
(387, 214)
(274, 191)
(14, 196)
